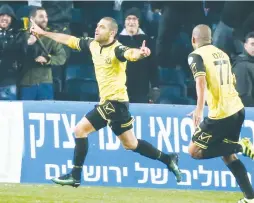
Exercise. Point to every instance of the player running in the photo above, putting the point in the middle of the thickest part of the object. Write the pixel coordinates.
(109, 58)
(218, 134)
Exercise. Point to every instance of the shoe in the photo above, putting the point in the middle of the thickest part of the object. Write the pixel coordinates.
(247, 146)
(173, 167)
(244, 200)
(66, 180)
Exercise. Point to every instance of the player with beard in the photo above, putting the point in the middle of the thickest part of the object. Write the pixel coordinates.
(109, 58)
(36, 76)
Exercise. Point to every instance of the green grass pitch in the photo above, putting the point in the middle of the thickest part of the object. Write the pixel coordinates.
(24, 193)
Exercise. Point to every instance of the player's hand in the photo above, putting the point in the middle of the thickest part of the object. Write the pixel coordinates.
(42, 60)
(31, 40)
(144, 51)
(35, 29)
(197, 116)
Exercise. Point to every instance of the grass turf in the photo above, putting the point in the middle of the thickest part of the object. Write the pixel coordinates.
(24, 193)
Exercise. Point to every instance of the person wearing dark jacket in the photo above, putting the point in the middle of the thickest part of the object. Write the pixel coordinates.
(175, 14)
(8, 54)
(243, 69)
(36, 75)
(144, 72)
(231, 30)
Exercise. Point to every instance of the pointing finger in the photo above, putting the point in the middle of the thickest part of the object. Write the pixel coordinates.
(144, 44)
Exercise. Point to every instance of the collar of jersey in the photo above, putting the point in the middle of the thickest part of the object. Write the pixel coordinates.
(108, 45)
(205, 45)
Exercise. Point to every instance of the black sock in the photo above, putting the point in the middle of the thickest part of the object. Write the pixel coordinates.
(80, 152)
(144, 148)
(223, 149)
(240, 173)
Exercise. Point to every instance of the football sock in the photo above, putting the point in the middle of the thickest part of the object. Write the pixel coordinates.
(240, 173)
(144, 148)
(80, 153)
(223, 149)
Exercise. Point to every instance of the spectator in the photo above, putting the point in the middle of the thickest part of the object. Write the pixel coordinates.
(36, 75)
(232, 28)
(140, 73)
(8, 54)
(59, 15)
(175, 14)
(243, 69)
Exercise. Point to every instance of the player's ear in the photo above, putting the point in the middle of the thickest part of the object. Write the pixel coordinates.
(193, 40)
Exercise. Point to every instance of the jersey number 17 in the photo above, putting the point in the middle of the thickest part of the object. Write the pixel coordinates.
(224, 71)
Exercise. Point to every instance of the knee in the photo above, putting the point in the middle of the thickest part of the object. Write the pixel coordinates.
(228, 159)
(195, 153)
(131, 145)
(80, 131)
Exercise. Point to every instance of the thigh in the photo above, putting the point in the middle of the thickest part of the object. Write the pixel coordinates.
(96, 120)
(117, 115)
(28, 92)
(45, 92)
(209, 132)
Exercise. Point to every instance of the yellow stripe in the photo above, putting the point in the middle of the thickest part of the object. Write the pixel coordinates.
(229, 141)
(198, 130)
(101, 113)
(199, 74)
(127, 124)
(200, 145)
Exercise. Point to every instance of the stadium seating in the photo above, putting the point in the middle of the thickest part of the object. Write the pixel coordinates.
(81, 89)
(173, 87)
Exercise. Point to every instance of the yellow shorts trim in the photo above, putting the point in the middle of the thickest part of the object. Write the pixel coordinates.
(200, 145)
(229, 141)
(101, 113)
(127, 124)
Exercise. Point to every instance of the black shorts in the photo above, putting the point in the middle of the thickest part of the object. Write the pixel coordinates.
(211, 132)
(113, 113)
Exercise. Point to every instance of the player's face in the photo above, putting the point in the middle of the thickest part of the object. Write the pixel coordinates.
(5, 21)
(132, 24)
(41, 19)
(249, 46)
(102, 31)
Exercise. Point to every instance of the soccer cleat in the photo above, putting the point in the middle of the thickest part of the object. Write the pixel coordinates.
(66, 180)
(244, 200)
(173, 167)
(247, 146)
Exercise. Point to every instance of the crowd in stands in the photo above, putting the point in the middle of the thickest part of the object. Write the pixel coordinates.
(37, 68)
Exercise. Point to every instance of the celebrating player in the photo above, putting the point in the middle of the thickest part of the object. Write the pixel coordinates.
(109, 58)
(218, 134)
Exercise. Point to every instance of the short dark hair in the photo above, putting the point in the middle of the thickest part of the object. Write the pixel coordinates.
(34, 11)
(249, 35)
(113, 23)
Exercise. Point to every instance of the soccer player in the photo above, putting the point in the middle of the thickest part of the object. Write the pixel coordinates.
(218, 134)
(109, 58)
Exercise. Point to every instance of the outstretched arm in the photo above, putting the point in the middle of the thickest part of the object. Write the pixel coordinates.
(124, 53)
(69, 40)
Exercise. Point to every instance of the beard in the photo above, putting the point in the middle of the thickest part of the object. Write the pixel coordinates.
(42, 25)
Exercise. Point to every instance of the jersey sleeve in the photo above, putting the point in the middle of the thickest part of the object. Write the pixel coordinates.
(79, 43)
(196, 64)
(119, 52)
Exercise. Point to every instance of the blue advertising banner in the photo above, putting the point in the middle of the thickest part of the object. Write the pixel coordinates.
(49, 143)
